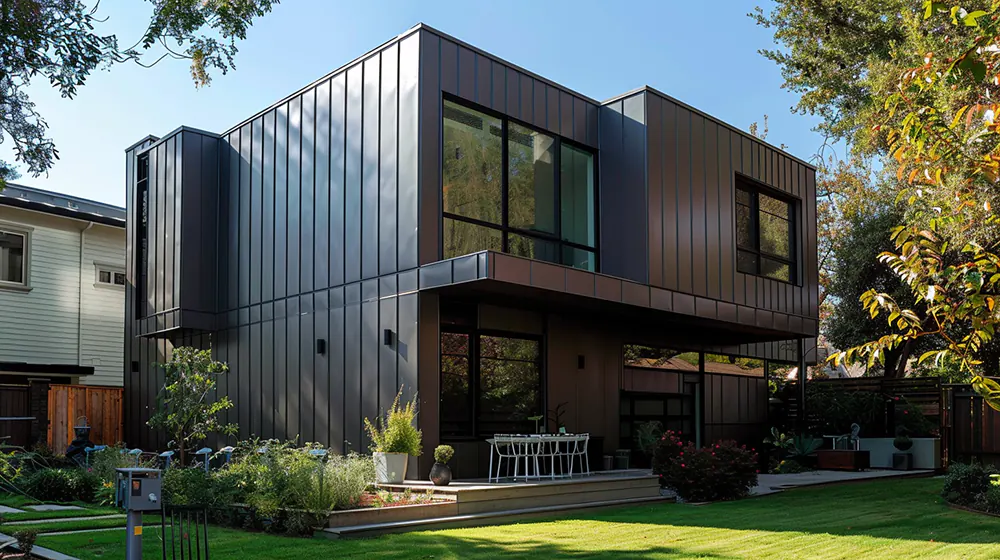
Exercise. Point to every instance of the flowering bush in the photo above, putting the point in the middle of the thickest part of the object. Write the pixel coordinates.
(723, 471)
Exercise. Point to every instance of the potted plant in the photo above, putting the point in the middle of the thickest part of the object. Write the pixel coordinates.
(904, 459)
(441, 472)
(394, 438)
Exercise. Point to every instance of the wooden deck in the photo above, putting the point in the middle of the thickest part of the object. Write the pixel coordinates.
(480, 496)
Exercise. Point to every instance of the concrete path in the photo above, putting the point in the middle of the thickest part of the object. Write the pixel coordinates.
(772, 483)
(61, 519)
(53, 507)
(40, 551)
(6, 509)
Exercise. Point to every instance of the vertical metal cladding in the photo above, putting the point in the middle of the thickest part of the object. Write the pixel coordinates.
(315, 205)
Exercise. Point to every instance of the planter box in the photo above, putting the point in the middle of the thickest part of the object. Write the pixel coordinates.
(842, 459)
(369, 516)
(390, 468)
(926, 452)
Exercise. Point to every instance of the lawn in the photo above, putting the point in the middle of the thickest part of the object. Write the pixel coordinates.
(878, 519)
(19, 502)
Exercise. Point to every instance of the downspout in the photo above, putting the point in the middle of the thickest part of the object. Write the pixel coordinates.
(79, 304)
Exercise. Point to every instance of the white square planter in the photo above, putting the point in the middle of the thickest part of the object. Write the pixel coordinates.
(926, 452)
(390, 468)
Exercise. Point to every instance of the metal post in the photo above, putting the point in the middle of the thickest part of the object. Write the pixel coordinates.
(133, 535)
(803, 376)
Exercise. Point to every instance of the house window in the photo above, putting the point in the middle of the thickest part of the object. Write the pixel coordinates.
(107, 276)
(765, 226)
(508, 187)
(490, 383)
(13, 257)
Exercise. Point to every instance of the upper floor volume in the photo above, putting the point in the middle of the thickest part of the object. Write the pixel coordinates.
(403, 162)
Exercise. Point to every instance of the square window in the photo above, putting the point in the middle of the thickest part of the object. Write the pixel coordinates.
(764, 232)
(119, 278)
(104, 277)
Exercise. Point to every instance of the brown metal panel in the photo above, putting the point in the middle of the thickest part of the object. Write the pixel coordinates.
(699, 242)
(429, 147)
(812, 277)
(428, 370)
(795, 324)
(802, 301)
(635, 294)
(548, 276)
(746, 315)
(760, 292)
(552, 109)
(579, 282)
(528, 85)
(566, 115)
(513, 93)
(484, 80)
(704, 307)
(780, 321)
(407, 192)
(713, 249)
(685, 261)
(765, 319)
(449, 67)
(661, 299)
(512, 269)
(593, 131)
(499, 101)
(684, 303)
(608, 288)
(538, 104)
(746, 157)
(654, 190)
(669, 187)
(467, 74)
(579, 120)
(728, 155)
(726, 311)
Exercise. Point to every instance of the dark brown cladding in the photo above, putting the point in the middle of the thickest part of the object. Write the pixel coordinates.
(691, 165)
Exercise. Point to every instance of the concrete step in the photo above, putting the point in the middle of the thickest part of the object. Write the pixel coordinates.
(480, 519)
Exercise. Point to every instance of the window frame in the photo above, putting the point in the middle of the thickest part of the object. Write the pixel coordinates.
(25, 232)
(475, 373)
(755, 189)
(111, 269)
(505, 229)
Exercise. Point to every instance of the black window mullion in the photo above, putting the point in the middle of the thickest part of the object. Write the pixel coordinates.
(504, 187)
(755, 224)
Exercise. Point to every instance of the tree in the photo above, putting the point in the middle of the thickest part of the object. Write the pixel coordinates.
(183, 406)
(939, 124)
(58, 40)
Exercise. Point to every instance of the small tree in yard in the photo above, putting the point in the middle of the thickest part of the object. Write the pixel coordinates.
(184, 408)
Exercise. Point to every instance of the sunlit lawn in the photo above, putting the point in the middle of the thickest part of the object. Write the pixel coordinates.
(878, 519)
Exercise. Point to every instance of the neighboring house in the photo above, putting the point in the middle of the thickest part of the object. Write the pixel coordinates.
(62, 288)
(432, 217)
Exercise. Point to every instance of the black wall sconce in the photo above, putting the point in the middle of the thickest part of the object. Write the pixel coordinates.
(387, 337)
(321, 346)
(581, 362)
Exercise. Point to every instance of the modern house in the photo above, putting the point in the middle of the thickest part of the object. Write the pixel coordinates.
(431, 217)
(62, 297)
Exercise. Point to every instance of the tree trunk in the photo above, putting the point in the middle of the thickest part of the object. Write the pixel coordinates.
(891, 360)
(181, 452)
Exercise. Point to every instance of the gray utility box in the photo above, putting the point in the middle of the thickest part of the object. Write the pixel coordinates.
(138, 489)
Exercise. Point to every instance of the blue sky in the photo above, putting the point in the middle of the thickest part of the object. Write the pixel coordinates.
(706, 58)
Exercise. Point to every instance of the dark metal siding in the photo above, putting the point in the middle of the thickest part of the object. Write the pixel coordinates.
(315, 205)
(691, 168)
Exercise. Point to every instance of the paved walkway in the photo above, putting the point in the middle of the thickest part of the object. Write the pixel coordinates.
(772, 483)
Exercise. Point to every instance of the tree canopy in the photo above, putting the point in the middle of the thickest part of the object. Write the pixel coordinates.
(60, 41)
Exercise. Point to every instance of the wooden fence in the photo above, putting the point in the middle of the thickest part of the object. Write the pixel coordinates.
(101, 405)
(971, 428)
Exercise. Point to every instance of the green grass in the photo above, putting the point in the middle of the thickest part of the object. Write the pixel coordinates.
(75, 525)
(19, 502)
(878, 519)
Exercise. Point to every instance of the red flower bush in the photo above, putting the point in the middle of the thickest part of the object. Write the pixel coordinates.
(722, 471)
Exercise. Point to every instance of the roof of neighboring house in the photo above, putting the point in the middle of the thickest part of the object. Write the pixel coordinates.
(64, 205)
(680, 364)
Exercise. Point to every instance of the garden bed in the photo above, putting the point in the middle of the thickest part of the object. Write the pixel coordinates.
(392, 513)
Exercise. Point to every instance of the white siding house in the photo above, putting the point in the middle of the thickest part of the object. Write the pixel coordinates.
(62, 294)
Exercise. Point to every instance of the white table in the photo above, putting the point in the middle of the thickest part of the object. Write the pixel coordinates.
(528, 452)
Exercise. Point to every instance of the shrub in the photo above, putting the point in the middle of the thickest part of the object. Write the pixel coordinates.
(104, 462)
(965, 483)
(789, 466)
(26, 540)
(724, 471)
(62, 485)
(187, 487)
(989, 501)
(443, 453)
(350, 476)
(396, 432)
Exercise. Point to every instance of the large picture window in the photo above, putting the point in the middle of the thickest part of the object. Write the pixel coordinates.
(13, 258)
(490, 384)
(508, 187)
(765, 240)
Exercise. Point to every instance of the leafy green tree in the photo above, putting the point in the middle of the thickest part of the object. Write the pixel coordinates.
(184, 406)
(60, 41)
